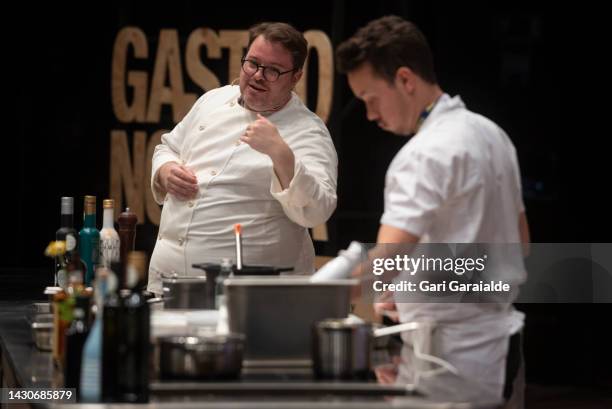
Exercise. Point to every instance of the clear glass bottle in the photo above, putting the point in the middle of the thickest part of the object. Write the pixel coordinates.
(225, 271)
(91, 366)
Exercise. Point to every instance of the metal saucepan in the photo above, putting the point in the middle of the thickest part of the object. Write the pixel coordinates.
(202, 357)
(188, 292)
(341, 348)
(198, 292)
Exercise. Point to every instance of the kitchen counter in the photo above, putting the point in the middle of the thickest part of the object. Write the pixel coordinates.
(23, 366)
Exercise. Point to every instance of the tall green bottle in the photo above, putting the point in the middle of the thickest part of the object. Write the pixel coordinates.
(89, 239)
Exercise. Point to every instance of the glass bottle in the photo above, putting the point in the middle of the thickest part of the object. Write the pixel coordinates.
(66, 233)
(127, 235)
(225, 271)
(63, 306)
(76, 335)
(89, 239)
(112, 332)
(109, 238)
(91, 366)
(135, 336)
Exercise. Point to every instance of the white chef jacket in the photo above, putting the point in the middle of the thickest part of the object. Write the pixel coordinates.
(457, 181)
(237, 184)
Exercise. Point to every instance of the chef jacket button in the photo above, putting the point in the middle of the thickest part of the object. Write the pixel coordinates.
(202, 127)
(213, 172)
(237, 143)
(182, 162)
(190, 203)
(181, 240)
(232, 103)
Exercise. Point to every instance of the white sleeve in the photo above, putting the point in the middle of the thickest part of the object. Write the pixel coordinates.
(310, 198)
(517, 181)
(170, 148)
(416, 186)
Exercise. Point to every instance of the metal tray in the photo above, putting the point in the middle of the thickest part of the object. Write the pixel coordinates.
(276, 314)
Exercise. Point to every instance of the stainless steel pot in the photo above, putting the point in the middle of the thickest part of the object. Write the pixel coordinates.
(198, 292)
(342, 348)
(188, 292)
(202, 357)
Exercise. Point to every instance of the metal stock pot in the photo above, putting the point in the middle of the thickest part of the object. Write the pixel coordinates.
(198, 292)
(342, 348)
(202, 357)
(188, 292)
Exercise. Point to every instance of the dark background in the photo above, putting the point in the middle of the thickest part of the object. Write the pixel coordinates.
(536, 71)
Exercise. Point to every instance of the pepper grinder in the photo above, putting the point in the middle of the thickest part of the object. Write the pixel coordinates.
(127, 236)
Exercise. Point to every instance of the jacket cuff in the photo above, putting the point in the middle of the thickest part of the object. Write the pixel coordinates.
(300, 190)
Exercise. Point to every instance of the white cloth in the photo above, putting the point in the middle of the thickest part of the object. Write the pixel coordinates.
(457, 181)
(238, 185)
(342, 266)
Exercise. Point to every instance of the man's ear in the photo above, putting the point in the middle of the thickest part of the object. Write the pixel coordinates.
(296, 76)
(405, 78)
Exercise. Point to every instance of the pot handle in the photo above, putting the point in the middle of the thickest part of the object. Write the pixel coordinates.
(395, 329)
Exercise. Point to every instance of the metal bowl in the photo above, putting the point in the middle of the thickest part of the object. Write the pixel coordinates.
(202, 357)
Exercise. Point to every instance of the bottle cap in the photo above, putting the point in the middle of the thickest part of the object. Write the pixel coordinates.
(108, 204)
(67, 204)
(90, 204)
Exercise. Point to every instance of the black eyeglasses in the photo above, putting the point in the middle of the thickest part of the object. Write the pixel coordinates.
(271, 74)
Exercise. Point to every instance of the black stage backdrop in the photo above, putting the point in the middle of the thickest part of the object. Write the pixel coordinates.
(521, 65)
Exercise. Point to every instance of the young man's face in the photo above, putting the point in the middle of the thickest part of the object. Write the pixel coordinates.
(259, 93)
(390, 105)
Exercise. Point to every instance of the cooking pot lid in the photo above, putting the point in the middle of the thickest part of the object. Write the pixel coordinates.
(342, 323)
(215, 268)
